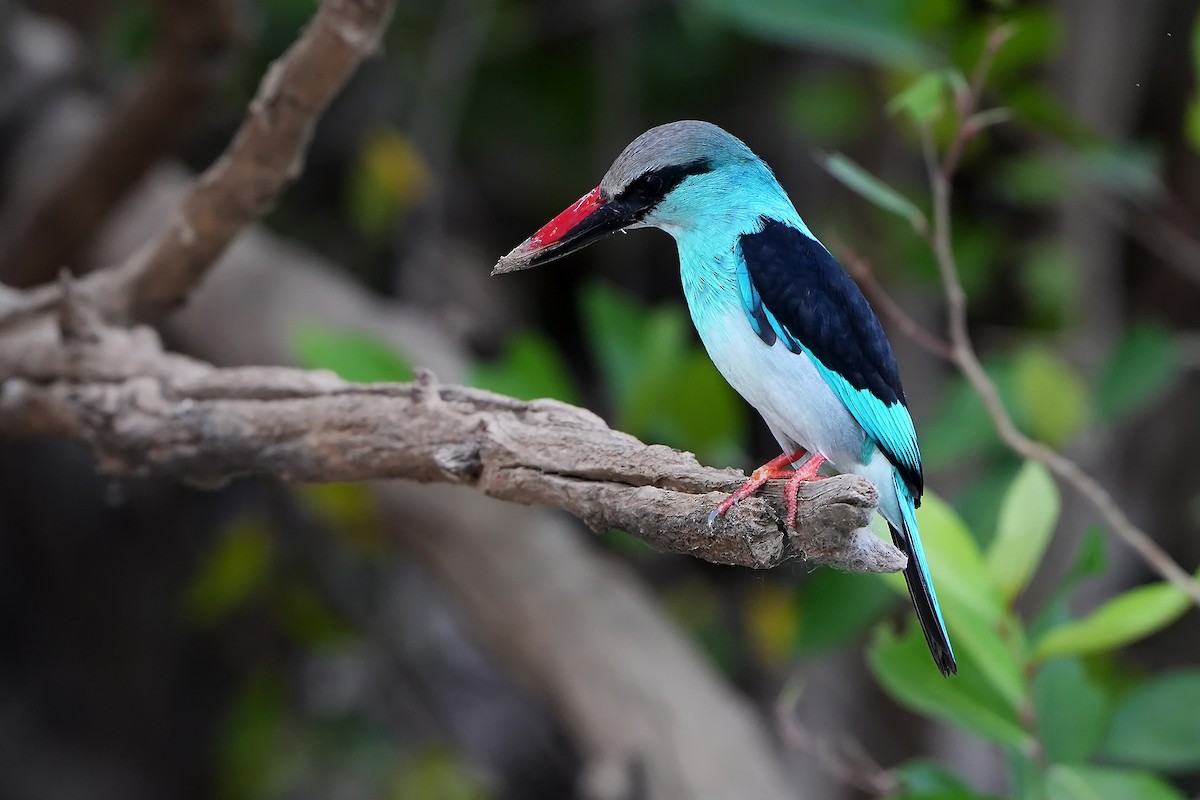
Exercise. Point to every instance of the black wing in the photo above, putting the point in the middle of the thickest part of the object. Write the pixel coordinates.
(794, 290)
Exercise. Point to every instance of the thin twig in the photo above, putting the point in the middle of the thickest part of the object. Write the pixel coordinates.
(196, 37)
(265, 155)
(940, 238)
(968, 102)
(860, 269)
(843, 757)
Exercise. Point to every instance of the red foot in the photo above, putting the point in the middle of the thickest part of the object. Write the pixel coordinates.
(804, 473)
(775, 469)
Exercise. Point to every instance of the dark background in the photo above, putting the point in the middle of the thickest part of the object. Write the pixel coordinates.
(272, 641)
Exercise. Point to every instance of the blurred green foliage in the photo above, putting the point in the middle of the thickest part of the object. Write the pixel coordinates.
(663, 386)
(1191, 125)
(1043, 690)
(236, 565)
(437, 774)
(353, 356)
(388, 177)
(1048, 686)
(874, 30)
(530, 367)
(1046, 696)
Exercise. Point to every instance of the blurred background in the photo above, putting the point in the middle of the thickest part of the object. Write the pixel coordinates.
(273, 641)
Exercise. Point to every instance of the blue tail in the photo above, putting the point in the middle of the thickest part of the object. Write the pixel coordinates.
(920, 586)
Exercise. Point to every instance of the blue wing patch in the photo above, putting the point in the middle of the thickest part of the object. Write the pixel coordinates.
(795, 292)
(890, 426)
(752, 302)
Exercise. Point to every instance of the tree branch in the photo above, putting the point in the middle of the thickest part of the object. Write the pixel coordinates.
(195, 37)
(864, 276)
(266, 154)
(940, 237)
(141, 409)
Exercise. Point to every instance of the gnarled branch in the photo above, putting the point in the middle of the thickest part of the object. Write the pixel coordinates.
(142, 409)
(266, 154)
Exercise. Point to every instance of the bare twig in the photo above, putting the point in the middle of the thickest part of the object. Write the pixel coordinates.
(140, 409)
(1171, 242)
(968, 101)
(860, 269)
(940, 237)
(844, 758)
(267, 152)
(195, 38)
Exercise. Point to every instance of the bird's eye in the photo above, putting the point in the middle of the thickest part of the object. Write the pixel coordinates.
(646, 187)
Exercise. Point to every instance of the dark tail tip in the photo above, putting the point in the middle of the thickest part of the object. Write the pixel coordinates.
(927, 615)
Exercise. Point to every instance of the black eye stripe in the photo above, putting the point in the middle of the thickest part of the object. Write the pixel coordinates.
(647, 190)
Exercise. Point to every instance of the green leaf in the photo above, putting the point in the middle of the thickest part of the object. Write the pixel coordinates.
(1157, 726)
(1042, 179)
(1133, 171)
(1065, 782)
(960, 429)
(1034, 180)
(350, 510)
(615, 327)
(1035, 106)
(1025, 776)
(1052, 400)
(664, 387)
(860, 600)
(827, 108)
(979, 501)
(1050, 283)
(250, 737)
(994, 656)
(436, 773)
(974, 614)
(356, 357)
(771, 620)
(1143, 365)
(925, 99)
(960, 575)
(902, 666)
(929, 780)
(696, 409)
(1027, 519)
(1091, 559)
(529, 368)
(1071, 710)
(1126, 618)
(872, 30)
(234, 568)
(388, 176)
(694, 605)
(308, 619)
(872, 188)
(1191, 123)
(1034, 37)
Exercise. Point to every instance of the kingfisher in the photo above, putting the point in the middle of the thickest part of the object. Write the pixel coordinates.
(780, 318)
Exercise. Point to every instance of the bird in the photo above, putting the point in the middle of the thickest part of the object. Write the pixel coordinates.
(780, 318)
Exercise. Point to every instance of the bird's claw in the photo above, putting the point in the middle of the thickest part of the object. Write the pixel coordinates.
(774, 469)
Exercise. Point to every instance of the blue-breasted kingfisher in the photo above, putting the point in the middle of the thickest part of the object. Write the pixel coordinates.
(782, 321)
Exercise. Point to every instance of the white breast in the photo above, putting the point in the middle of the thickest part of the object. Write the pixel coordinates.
(785, 388)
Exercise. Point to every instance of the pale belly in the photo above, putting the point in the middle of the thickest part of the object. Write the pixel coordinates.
(786, 389)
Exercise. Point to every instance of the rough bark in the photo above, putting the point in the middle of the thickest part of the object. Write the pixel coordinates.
(650, 717)
(142, 409)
